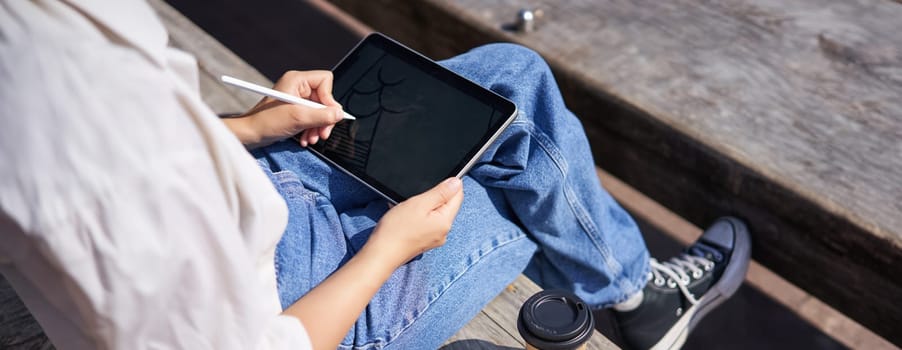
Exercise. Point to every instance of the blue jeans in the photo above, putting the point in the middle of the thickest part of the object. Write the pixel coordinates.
(533, 204)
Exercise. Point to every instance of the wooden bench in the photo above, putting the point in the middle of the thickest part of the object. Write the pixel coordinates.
(493, 328)
(787, 114)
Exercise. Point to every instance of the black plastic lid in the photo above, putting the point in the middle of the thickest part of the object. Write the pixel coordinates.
(555, 320)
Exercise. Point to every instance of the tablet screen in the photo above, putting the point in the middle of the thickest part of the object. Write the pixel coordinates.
(417, 122)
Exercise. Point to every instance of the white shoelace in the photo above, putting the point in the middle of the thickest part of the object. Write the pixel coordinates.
(678, 271)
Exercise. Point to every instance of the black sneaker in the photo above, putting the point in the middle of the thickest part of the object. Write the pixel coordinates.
(685, 288)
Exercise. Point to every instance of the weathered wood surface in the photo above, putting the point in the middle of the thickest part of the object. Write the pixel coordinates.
(213, 61)
(18, 329)
(785, 113)
(304, 34)
(495, 327)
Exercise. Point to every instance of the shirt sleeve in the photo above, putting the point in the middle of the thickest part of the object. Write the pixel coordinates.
(286, 332)
(117, 196)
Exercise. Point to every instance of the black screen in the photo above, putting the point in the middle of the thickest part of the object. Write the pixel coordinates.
(417, 122)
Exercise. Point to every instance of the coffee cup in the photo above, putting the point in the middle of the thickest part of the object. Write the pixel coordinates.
(555, 320)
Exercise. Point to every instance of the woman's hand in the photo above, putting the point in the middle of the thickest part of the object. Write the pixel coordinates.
(417, 224)
(272, 120)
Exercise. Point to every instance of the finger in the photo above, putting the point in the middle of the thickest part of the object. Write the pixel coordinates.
(315, 85)
(440, 194)
(295, 83)
(316, 132)
(325, 132)
(309, 135)
(321, 83)
(307, 117)
(306, 137)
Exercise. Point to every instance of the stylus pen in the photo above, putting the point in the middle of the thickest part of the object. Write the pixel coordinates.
(281, 96)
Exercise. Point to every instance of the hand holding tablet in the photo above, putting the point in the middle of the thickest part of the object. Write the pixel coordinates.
(417, 124)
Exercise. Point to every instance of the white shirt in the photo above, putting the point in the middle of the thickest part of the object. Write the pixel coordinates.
(130, 217)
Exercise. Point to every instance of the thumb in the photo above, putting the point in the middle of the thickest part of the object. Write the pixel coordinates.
(440, 194)
(451, 207)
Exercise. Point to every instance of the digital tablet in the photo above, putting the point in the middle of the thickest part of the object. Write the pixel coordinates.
(418, 123)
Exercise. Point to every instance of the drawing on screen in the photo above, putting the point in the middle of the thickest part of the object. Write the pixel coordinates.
(366, 100)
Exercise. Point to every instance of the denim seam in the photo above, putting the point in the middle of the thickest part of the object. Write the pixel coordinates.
(627, 287)
(288, 177)
(289, 186)
(276, 268)
(578, 210)
(444, 288)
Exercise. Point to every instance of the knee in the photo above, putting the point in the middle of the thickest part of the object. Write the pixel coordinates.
(513, 52)
(515, 56)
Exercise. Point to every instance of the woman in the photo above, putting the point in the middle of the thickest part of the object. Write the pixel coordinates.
(133, 217)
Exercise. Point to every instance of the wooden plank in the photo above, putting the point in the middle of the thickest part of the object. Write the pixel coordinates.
(276, 35)
(221, 98)
(213, 59)
(785, 114)
(504, 309)
(341, 18)
(482, 332)
(18, 329)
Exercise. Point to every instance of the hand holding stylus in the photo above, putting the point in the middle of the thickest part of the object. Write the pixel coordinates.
(299, 103)
(281, 96)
